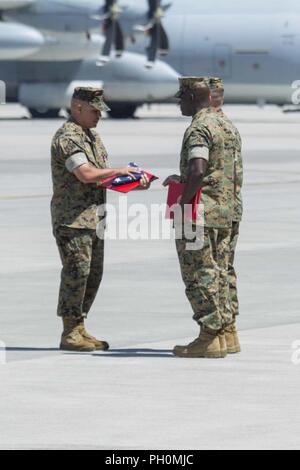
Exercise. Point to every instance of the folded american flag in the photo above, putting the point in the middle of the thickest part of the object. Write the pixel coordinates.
(125, 184)
(121, 180)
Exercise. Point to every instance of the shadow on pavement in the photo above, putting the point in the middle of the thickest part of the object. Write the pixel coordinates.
(142, 353)
(29, 349)
(135, 353)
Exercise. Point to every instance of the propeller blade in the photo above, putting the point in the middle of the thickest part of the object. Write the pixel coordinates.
(153, 5)
(164, 45)
(109, 35)
(108, 5)
(114, 36)
(119, 39)
(152, 50)
(159, 43)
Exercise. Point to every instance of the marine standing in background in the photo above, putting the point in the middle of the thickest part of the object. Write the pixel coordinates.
(217, 101)
(79, 164)
(203, 166)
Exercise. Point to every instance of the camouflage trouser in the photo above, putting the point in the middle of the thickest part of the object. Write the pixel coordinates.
(82, 255)
(205, 275)
(231, 270)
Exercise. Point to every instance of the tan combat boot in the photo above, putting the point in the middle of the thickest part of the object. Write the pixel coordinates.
(71, 339)
(99, 345)
(206, 346)
(223, 344)
(232, 340)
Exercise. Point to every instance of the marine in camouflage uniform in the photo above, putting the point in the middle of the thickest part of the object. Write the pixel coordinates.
(74, 217)
(217, 85)
(237, 214)
(204, 271)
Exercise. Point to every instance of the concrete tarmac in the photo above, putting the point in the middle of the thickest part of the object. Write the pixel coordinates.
(137, 395)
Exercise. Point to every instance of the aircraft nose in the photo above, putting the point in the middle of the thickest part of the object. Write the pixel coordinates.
(162, 81)
(128, 79)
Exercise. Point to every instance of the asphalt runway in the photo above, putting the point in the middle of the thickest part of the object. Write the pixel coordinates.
(138, 395)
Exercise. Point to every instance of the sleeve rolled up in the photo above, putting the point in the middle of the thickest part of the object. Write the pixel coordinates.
(75, 161)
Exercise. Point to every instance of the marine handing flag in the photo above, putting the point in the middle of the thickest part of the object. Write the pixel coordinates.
(125, 184)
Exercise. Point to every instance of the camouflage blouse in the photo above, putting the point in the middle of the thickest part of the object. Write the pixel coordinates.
(238, 170)
(206, 131)
(74, 204)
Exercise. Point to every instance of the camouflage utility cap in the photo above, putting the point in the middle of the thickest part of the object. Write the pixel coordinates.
(190, 83)
(216, 83)
(93, 96)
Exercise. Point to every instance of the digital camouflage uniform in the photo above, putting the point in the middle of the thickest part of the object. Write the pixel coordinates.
(230, 129)
(74, 217)
(231, 144)
(203, 270)
(237, 215)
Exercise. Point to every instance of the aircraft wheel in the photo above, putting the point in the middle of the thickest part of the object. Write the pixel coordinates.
(122, 110)
(44, 113)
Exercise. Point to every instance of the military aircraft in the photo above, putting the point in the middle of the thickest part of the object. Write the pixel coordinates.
(252, 45)
(47, 47)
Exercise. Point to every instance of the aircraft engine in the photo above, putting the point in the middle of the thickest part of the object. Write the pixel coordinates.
(44, 96)
(18, 41)
(159, 43)
(126, 83)
(159, 40)
(127, 79)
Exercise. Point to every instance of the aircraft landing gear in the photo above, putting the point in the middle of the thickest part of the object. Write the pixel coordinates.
(122, 110)
(44, 113)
